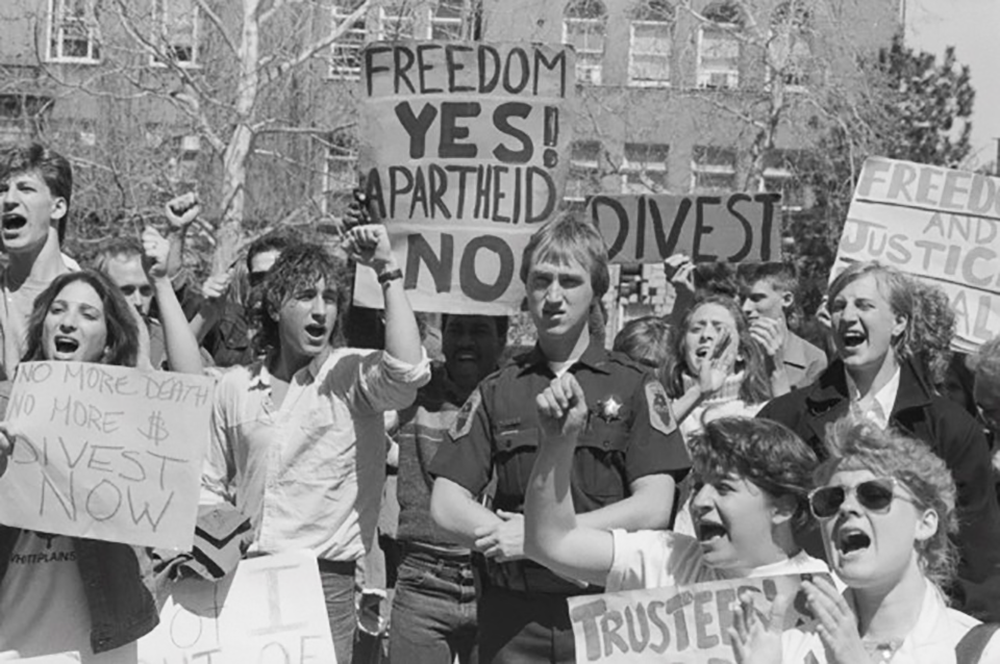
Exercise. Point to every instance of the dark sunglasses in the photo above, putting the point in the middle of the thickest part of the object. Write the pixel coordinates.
(874, 495)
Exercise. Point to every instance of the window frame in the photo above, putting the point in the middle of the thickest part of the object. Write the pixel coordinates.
(643, 167)
(162, 18)
(590, 67)
(341, 49)
(707, 79)
(56, 23)
(664, 81)
(712, 169)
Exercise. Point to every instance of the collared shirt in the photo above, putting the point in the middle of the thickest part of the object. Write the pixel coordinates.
(309, 473)
(875, 407)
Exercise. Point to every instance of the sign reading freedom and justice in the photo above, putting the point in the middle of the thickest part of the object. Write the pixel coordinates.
(680, 625)
(271, 609)
(464, 152)
(938, 224)
(648, 228)
(106, 452)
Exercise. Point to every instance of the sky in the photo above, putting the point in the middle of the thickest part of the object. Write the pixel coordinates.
(971, 27)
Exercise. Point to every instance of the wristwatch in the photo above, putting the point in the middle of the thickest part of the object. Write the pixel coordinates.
(391, 275)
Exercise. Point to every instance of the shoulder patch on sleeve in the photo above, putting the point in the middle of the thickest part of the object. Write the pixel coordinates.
(463, 423)
(660, 416)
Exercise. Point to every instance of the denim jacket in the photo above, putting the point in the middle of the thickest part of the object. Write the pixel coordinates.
(117, 582)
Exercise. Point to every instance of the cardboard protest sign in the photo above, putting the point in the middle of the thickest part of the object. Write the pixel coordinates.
(106, 452)
(680, 625)
(464, 152)
(648, 228)
(271, 609)
(937, 224)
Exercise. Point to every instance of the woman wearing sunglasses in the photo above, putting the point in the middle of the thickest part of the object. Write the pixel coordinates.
(883, 337)
(885, 504)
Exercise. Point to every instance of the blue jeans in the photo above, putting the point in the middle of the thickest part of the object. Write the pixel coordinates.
(338, 588)
(434, 610)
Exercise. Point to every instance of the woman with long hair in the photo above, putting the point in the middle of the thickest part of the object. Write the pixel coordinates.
(63, 594)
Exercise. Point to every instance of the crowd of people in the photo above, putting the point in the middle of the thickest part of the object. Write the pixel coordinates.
(714, 443)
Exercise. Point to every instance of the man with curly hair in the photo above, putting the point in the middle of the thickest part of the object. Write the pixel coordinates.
(298, 438)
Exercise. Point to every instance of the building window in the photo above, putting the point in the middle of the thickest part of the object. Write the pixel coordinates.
(651, 37)
(178, 31)
(396, 21)
(340, 176)
(73, 34)
(779, 177)
(644, 168)
(451, 20)
(345, 54)
(713, 170)
(22, 117)
(719, 48)
(789, 49)
(584, 170)
(583, 28)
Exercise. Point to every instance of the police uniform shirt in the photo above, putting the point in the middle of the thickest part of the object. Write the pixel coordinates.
(629, 434)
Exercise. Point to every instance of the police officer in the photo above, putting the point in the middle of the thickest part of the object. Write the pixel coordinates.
(625, 465)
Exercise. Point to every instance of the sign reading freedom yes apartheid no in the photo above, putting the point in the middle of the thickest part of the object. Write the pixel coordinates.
(683, 624)
(938, 224)
(648, 228)
(106, 452)
(464, 152)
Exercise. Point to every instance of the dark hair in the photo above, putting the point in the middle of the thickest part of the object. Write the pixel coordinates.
(715, 278)
(766, 453)
(124, 246)
(646, 340)
(122, 329)
(299, 266)
(567, 237)
(756, 386)
(500, 322)
(49, 164)
(278, 241)
(781, 276)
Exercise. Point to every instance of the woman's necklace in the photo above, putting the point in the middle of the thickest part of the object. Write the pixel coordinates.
(881, 651)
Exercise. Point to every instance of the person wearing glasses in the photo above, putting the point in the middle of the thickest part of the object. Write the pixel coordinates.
(886, 507)
(883, 338)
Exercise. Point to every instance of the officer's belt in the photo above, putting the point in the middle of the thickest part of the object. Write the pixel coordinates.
(529, 577)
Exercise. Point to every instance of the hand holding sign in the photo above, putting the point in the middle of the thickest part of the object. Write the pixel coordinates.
(562, 409)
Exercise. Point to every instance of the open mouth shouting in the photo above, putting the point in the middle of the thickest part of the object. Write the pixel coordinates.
(316, 332)
(710, 530)
(13, 221)
(850, 541)
(65, 347)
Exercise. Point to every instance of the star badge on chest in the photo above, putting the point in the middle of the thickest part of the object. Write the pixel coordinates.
(610, 409)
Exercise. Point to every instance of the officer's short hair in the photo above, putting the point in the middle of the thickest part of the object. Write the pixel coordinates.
(781, 276)
(123, 247)
(646, 340)
(764, 452)
(53, 168)
(278, 241)
(567, 237)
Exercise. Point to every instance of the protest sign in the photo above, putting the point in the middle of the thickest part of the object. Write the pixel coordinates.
(61, 658)
(271, 609)
(464, 152)
(648, 228)
(938, 224)
(680, 625)
(106, 452)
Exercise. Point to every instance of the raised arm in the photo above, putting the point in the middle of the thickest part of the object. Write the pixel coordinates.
(181, 211)
(369, 246)
(183, 354)
(553, 535)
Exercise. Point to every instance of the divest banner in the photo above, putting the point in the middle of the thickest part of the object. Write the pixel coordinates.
(648, 228)
(464, 152)
(680, 625)
(937, 224)
(105, 452)
(271, 609)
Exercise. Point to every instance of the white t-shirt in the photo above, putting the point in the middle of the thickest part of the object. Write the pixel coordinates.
(43, 609)
(660, 559)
